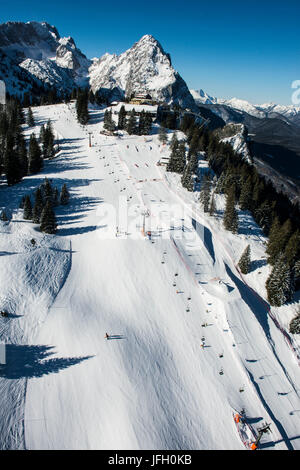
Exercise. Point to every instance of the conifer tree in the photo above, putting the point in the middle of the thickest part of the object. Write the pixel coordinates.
(108, 122)
(204, 141)
(245, 261)
(279, 236)
(220, 186)
(122, 118)
(47, 191)
(174, 142)
(263, 216)
(205, 192)
(22, 155)
(245, 200)
(42, 134)
(82, 107)
(141, 125)
(212, 206)
(162, 135)
(295, 325)
(55, 197)
(131, 123)
(30, 118)
(187, 179)
(171, 121)
(48, 150)
(35, 162)
(64, 195)
(177, 159)
(292, 249)
(27, 212)
(38, 206)
(279, 285)
(230, 219)
(147, 123)
(296, 274)
(91, 97)
(48, 220)
(11, 162)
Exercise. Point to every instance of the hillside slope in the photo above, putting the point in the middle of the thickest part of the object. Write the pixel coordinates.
(151, 385)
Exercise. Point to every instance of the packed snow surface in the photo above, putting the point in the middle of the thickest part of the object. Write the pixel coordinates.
(177, 310)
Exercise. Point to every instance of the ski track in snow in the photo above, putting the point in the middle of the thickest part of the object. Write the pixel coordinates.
(151, 386)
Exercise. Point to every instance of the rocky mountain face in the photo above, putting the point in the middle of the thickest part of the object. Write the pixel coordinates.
(41, 56)
(145, 67)
(201, 97)
(44, 57)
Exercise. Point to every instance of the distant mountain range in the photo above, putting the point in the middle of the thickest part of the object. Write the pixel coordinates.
(273, 136)
(267, 110)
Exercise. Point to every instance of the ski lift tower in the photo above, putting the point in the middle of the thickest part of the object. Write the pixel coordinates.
(145, 213)
(265, 429)
(90, 139)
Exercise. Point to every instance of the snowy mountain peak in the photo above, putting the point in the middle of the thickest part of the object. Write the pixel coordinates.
(28, 40)
(145, 67)
(203, 98)
(46, 57)
(147, 38)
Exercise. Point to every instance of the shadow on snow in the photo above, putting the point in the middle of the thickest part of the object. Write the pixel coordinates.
(25, 361)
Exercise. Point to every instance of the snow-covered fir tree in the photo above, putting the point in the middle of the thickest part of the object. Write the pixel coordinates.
(230, 219)
(131, 125)
(122, 118)
(205, 193)
(82, 107)
(279, 285)
(35, 161)
(38, 206)
(212, 205)
(64, 195)
(278, 238)
(245, 261)
(177, 159)
(48, 222)
(27, 211)
(30, 119)
(162, 135)
(108, 122)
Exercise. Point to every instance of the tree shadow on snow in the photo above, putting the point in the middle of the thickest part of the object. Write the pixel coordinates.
(76, 230)
(257, 264)
(116, 337)
(24, 361)
(205, 234)
(256, 303)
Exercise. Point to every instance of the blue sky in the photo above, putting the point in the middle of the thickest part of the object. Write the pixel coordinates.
(229, 48)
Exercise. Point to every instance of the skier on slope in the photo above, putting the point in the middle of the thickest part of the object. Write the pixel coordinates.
(106, 336)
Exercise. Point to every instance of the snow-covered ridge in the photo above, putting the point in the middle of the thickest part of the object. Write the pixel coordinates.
(201, 97)
(257, 110)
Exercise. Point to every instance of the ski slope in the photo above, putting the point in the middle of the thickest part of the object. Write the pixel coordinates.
(156, 383)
